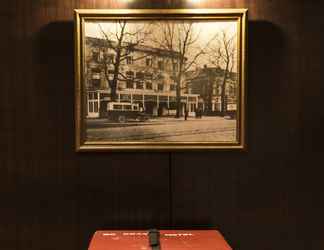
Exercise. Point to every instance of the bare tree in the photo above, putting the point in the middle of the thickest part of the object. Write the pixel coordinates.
(181, 39)
(122, 41)
(223, 56)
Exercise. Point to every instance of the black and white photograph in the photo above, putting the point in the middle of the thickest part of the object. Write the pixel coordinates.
(161, 81)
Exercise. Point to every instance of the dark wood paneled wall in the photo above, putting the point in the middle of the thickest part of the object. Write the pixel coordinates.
(268, 198)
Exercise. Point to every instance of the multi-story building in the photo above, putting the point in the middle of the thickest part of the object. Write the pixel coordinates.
(207, 83)
(147, 79)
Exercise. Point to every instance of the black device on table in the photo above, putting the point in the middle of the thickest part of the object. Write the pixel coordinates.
(154, 239)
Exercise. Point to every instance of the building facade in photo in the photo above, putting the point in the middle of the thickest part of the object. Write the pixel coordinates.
(146, 78)
(207, 82)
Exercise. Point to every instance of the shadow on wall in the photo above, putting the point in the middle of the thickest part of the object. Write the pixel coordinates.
(261, 188)
(54, 50)
(53, 99)
(267, 86)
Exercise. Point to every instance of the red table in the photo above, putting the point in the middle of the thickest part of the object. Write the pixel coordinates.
(169, 240)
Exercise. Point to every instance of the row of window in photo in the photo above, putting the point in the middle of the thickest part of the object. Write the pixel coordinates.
(129, 60)
(132, 84)
(161, 64)
(93, 95)
(93, 106)
(140, 75)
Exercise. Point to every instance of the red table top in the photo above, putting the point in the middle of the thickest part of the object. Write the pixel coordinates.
(169, 240)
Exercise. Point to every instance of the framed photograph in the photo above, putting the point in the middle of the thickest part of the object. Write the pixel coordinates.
(160, 79)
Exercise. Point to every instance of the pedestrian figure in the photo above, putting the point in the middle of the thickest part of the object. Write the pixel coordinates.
(199, 113)
(186, 114)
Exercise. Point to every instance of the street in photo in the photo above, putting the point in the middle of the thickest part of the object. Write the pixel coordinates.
(166, 129)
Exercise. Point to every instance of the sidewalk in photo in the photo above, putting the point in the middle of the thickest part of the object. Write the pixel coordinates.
(103, 122)
(166, 129)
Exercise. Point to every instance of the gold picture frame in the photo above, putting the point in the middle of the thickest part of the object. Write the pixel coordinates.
(178, 82)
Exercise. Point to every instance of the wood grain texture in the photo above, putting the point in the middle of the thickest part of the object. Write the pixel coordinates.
(54, 198)
(125, 191)
(253, 192)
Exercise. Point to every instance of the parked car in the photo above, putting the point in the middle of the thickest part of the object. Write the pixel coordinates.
(124, 111)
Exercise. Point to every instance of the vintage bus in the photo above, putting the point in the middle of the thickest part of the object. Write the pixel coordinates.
(124, 111)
